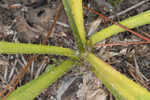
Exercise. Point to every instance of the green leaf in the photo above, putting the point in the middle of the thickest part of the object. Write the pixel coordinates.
(118, 84)
(74, 12)
(32, 89)
(132, 22)
(22, 48)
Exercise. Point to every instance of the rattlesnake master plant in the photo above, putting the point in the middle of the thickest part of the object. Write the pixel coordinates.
(118, 84)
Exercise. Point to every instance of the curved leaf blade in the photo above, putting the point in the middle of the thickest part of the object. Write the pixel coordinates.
(118, 84)
(132, 22)
(32, 89)
(22, 48)
(74, 12)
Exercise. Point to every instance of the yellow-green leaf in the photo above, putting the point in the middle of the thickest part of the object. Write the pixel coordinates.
(74, 12)
(118, 84)
(132, 22)
(24, 48)
(32, 89)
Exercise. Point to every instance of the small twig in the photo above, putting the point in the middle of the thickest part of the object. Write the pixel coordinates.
(129, 9)
(133, 72)
(32, 69)
(12, 70)
(22, 65)
(138, 71)
(53, 25)
(6, 73)
(145, 33)
(40, 69)
(23, 59)
(123, 44)
(61, 23)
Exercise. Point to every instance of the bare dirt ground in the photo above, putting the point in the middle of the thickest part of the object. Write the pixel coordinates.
(28, 21)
